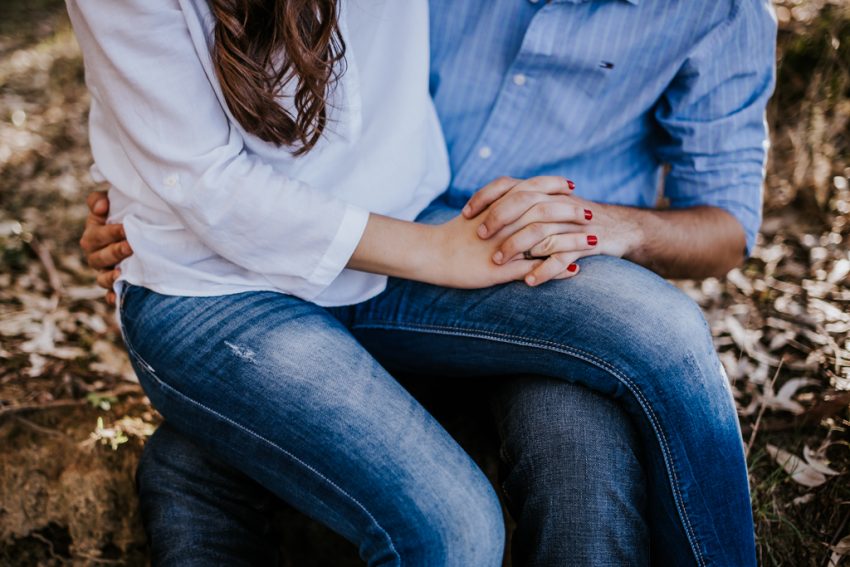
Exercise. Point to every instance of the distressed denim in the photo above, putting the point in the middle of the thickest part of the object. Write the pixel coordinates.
(299, 399)
(570, 474)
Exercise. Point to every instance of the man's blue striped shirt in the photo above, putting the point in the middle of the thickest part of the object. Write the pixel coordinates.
(606, 93)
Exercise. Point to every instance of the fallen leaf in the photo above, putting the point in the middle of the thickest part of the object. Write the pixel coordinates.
(839, 550)
(800, 472)
(818, 461)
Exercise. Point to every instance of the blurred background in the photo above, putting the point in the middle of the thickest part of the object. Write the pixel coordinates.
(73, 419)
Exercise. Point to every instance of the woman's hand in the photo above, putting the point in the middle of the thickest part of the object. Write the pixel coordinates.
(449, 255)
(539, 218)
(465, 261)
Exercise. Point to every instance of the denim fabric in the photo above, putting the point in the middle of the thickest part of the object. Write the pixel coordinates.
(298, 398)
(571, 479)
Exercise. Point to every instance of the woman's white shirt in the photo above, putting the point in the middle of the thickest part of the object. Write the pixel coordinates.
(210, 209)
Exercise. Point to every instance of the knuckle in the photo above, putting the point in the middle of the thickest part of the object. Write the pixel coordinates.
(495, 218)
(537, 230)
(546, 210)
(547, 245)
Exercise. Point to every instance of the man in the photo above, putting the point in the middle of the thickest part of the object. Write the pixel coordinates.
(607, 93)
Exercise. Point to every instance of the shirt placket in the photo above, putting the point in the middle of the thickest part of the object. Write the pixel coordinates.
(486, 160)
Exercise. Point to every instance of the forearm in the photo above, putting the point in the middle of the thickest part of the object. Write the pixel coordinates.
(687, 243)
(395, 248)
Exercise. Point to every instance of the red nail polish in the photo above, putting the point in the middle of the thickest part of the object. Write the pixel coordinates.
(592, 240)
(588, 215)
(571, 185)
(572, 267)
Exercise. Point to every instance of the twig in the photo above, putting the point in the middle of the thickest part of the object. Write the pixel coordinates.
(50, 549)
(53, 278)
(762, 410)
(33, 407)
(99, 560)
(39, 428)
(836, 537)
(120, 391)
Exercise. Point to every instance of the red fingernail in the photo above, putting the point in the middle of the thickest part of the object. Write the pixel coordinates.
(572, 267)
(592, 240)
(588, 215)
(571, 185)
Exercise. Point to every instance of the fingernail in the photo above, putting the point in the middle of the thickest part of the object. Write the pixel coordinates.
(592, 240)
(530, 280)
(125, 249)
(497, 257)
(572, 268)
(588, 215)
(571, 185)
(482, 231)
(466, 210)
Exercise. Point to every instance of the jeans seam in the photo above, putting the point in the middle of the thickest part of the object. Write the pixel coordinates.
(582, 355)
(274, 445)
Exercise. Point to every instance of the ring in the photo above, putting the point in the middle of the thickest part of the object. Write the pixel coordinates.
(529, 256)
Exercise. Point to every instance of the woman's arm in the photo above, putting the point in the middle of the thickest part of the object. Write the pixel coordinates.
(450, 254)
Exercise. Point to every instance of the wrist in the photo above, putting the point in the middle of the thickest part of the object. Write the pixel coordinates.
(627, 230)
(397, 248)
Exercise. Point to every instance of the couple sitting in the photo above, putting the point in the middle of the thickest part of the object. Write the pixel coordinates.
(316, 198)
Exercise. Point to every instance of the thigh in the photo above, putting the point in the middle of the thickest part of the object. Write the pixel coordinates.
(618, 329)
(280, 389)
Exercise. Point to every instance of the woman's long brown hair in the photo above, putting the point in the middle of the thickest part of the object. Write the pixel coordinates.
(263, 46)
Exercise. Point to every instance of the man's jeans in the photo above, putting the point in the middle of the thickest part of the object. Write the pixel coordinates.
(300, 400)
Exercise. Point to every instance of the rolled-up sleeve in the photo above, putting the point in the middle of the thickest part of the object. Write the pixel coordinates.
(149, 84)
(712, 117)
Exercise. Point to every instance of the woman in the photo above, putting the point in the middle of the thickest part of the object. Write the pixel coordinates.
(267, 160)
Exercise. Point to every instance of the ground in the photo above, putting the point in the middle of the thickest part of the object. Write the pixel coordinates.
(73, 419)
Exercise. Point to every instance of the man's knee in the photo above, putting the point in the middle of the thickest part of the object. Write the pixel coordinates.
(557, 433)
(620, 311)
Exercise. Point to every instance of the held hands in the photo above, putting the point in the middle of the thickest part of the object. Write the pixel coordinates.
(540, 217)
(502, 225)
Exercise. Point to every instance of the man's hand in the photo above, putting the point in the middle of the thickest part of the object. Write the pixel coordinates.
(696, 242)
(105, 245)
(539, 217)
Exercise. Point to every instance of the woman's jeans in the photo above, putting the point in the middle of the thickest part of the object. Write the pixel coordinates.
(299, 398)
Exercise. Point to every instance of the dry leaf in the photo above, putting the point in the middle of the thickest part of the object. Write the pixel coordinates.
(800, 472)
(839, 550)
(818, 461)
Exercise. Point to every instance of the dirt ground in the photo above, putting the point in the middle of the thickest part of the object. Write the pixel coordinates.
(73, 419)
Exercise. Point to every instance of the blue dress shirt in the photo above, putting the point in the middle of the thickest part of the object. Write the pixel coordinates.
(606, 93)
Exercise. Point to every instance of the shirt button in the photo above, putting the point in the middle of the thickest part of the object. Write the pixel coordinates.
(171, 181)
(485, 152)
(520, 79)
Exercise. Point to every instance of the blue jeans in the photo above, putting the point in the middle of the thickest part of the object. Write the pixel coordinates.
(299, 398)
(569, 473)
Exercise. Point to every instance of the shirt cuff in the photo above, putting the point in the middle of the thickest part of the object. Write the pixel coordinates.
(340, 250)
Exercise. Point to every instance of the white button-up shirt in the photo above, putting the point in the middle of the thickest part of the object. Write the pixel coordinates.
(210, 209)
